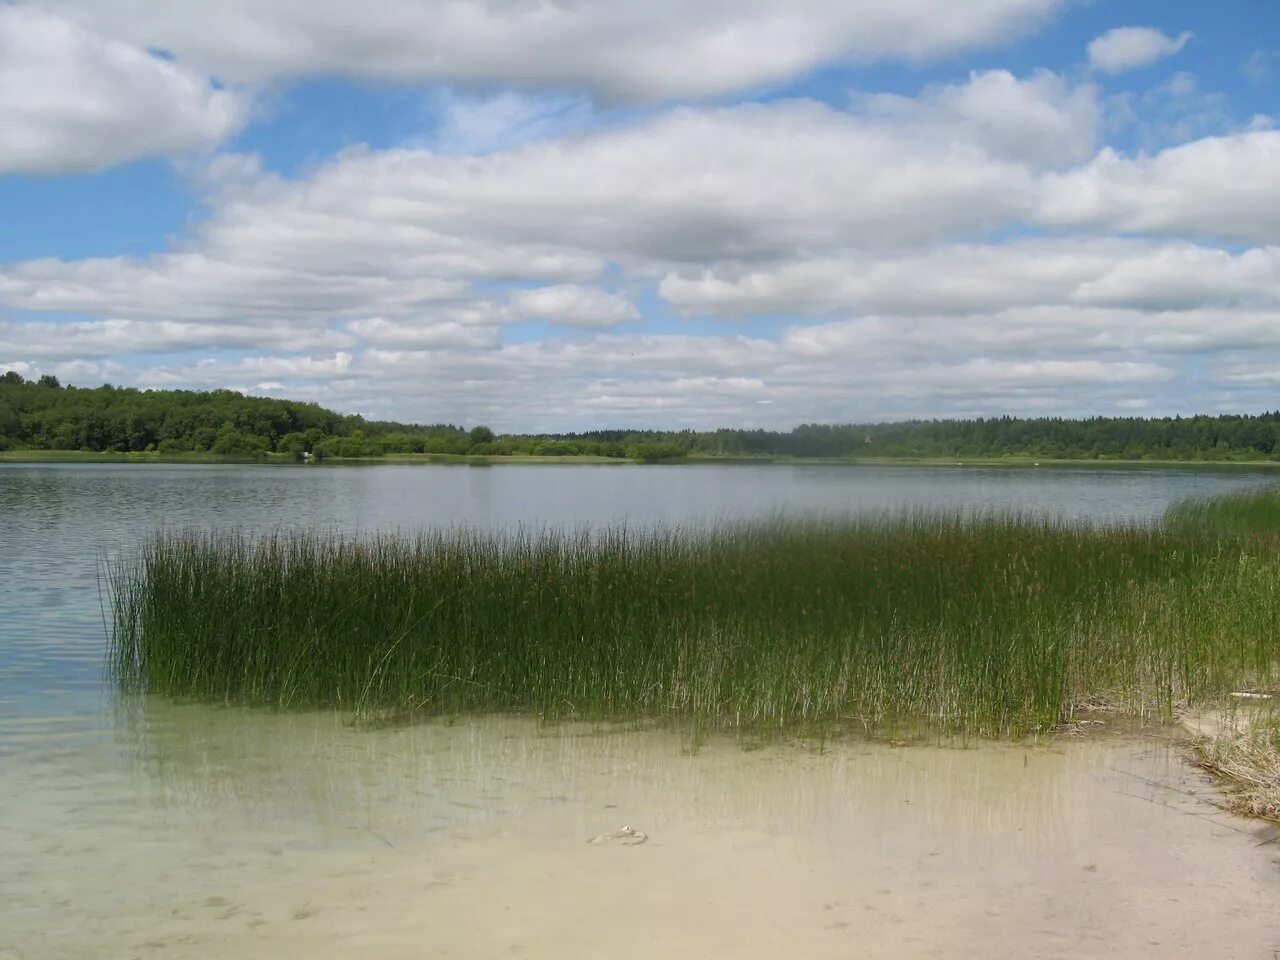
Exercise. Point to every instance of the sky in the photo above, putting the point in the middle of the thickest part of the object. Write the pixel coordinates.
(555, 215)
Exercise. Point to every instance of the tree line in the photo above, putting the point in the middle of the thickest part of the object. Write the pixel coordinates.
(42, 414)
(1232, 437)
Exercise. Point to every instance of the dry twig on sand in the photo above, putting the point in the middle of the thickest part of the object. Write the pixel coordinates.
(1248, 764)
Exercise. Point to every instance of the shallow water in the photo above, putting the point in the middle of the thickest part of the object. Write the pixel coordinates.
(204, 832)
(148, 829)
(56, 520)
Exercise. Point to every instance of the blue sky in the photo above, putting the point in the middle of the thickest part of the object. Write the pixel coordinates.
(560, 216)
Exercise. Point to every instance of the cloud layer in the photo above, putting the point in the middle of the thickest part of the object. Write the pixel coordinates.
(994, 243)
(71, 100)
(617, 49)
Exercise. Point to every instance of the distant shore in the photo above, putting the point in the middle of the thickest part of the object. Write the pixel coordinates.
(82, 456)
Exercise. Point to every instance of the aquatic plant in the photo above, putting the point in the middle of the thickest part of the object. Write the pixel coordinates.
(954, 622)
(1249, 512)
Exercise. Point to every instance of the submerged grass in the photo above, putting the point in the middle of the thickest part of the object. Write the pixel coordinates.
(946, 622)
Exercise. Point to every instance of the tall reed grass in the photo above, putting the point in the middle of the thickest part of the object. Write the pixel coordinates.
(1253, 513)
(982, 624)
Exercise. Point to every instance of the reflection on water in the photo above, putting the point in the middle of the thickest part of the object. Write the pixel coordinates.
(56, 520)
(148, 829)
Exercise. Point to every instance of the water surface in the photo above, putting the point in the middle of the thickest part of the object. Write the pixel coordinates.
(242, 834)
(148, 829)
(57, 520)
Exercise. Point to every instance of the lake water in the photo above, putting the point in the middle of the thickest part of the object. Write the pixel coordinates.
(146, 829)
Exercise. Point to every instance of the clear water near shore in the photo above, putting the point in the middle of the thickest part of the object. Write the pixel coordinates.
(207, 833)
(149, 829)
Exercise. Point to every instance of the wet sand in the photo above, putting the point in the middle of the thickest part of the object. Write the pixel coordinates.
(200, 832)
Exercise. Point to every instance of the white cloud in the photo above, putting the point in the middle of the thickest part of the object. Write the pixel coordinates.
(83, 371)
(405, 233)
(694, 381)
(574, 305)
(23, 368)
(1173, 276)
(620, 49)
(1126, 48)
(336, 365)
(949, 279)
(200, 286)
(972, 277)
(85, 85)
(746, 181)
(71, 100)
(275, 367)
(1227, 187)
(1040, 120)
(1266, 375)
(1067, 359)
(955, 253)
(1111, 335)
(101, 338)
(381, 332)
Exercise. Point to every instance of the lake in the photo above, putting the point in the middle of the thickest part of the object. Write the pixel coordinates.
(145, 828)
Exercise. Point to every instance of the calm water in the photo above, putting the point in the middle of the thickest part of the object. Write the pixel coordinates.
(148, 829)
(56, 520)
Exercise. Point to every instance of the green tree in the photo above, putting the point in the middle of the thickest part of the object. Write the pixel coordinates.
(657, 452)
(231, 442)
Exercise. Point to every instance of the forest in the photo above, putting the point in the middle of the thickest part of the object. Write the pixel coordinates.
(42, 414)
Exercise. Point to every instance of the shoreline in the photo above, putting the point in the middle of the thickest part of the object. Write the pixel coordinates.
(283, 459)
(1238, 745)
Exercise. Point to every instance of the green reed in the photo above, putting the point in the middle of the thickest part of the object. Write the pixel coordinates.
(946, 622)
(1249, 512)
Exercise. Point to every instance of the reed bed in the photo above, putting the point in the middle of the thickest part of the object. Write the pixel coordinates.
(1254, 513)
(993, 625)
